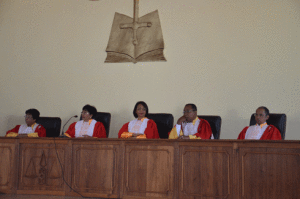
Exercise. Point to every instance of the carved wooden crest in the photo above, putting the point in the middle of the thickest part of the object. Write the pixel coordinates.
(42, 168)
(135, 39)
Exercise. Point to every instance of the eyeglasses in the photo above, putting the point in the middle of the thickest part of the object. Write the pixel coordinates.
(259, 115)
(28, 117)
(141, 109)
(84, 113)
(188, 111)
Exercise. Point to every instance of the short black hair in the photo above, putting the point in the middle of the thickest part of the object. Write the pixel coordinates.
(91, 109)
(265, 108)
(34, 113)
(194, 107)
(135, 107)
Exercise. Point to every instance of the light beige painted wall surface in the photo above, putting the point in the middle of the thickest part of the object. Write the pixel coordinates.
(226, 56)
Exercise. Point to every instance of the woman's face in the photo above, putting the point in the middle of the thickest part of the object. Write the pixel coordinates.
(86, 116)
(140, 111)
(29, 120)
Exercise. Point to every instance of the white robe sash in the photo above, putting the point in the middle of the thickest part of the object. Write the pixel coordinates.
(24, 129)
(190, 128)
(142, 128)
(255, 132)
(90, 130)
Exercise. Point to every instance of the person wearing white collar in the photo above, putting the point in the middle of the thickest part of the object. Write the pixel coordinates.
(189, 126)
(261, 130)
(31, 128)
(87, 127)
(141, 127)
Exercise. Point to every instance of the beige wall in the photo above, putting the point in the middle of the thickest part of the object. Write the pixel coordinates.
(226, 56)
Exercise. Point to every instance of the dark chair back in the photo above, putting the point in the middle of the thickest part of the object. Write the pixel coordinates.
(164, 123)
(104, 118)
(51, 124)
(276, 119)
(215, 122)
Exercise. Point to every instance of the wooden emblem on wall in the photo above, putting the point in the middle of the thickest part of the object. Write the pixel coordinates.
(135, 39)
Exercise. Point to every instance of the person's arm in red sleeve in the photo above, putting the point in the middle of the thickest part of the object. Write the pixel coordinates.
(41, 131)
(13, 131)
(151, 131)
(271, 133)
(204, 130)
(124, 129)
(276, 135)
(99, 130)
(71, 131)
(243, 133)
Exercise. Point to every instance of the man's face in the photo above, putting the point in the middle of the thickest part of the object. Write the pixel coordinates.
(189, 114)
(260, 116)
(29, 120)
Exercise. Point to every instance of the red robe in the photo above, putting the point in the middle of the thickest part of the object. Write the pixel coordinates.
(40, 130)
(204, 130)
(151, 131)
(271, 133)
(99, 130)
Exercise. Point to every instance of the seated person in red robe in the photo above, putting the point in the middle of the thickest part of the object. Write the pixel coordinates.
(141, 127)
(31, 128)
(189, 126)
(87, 127)
(260, 131)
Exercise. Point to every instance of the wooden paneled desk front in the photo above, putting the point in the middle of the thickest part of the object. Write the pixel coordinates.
(117, 168)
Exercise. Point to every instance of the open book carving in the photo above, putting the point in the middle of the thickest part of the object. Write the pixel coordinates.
(135, 39)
